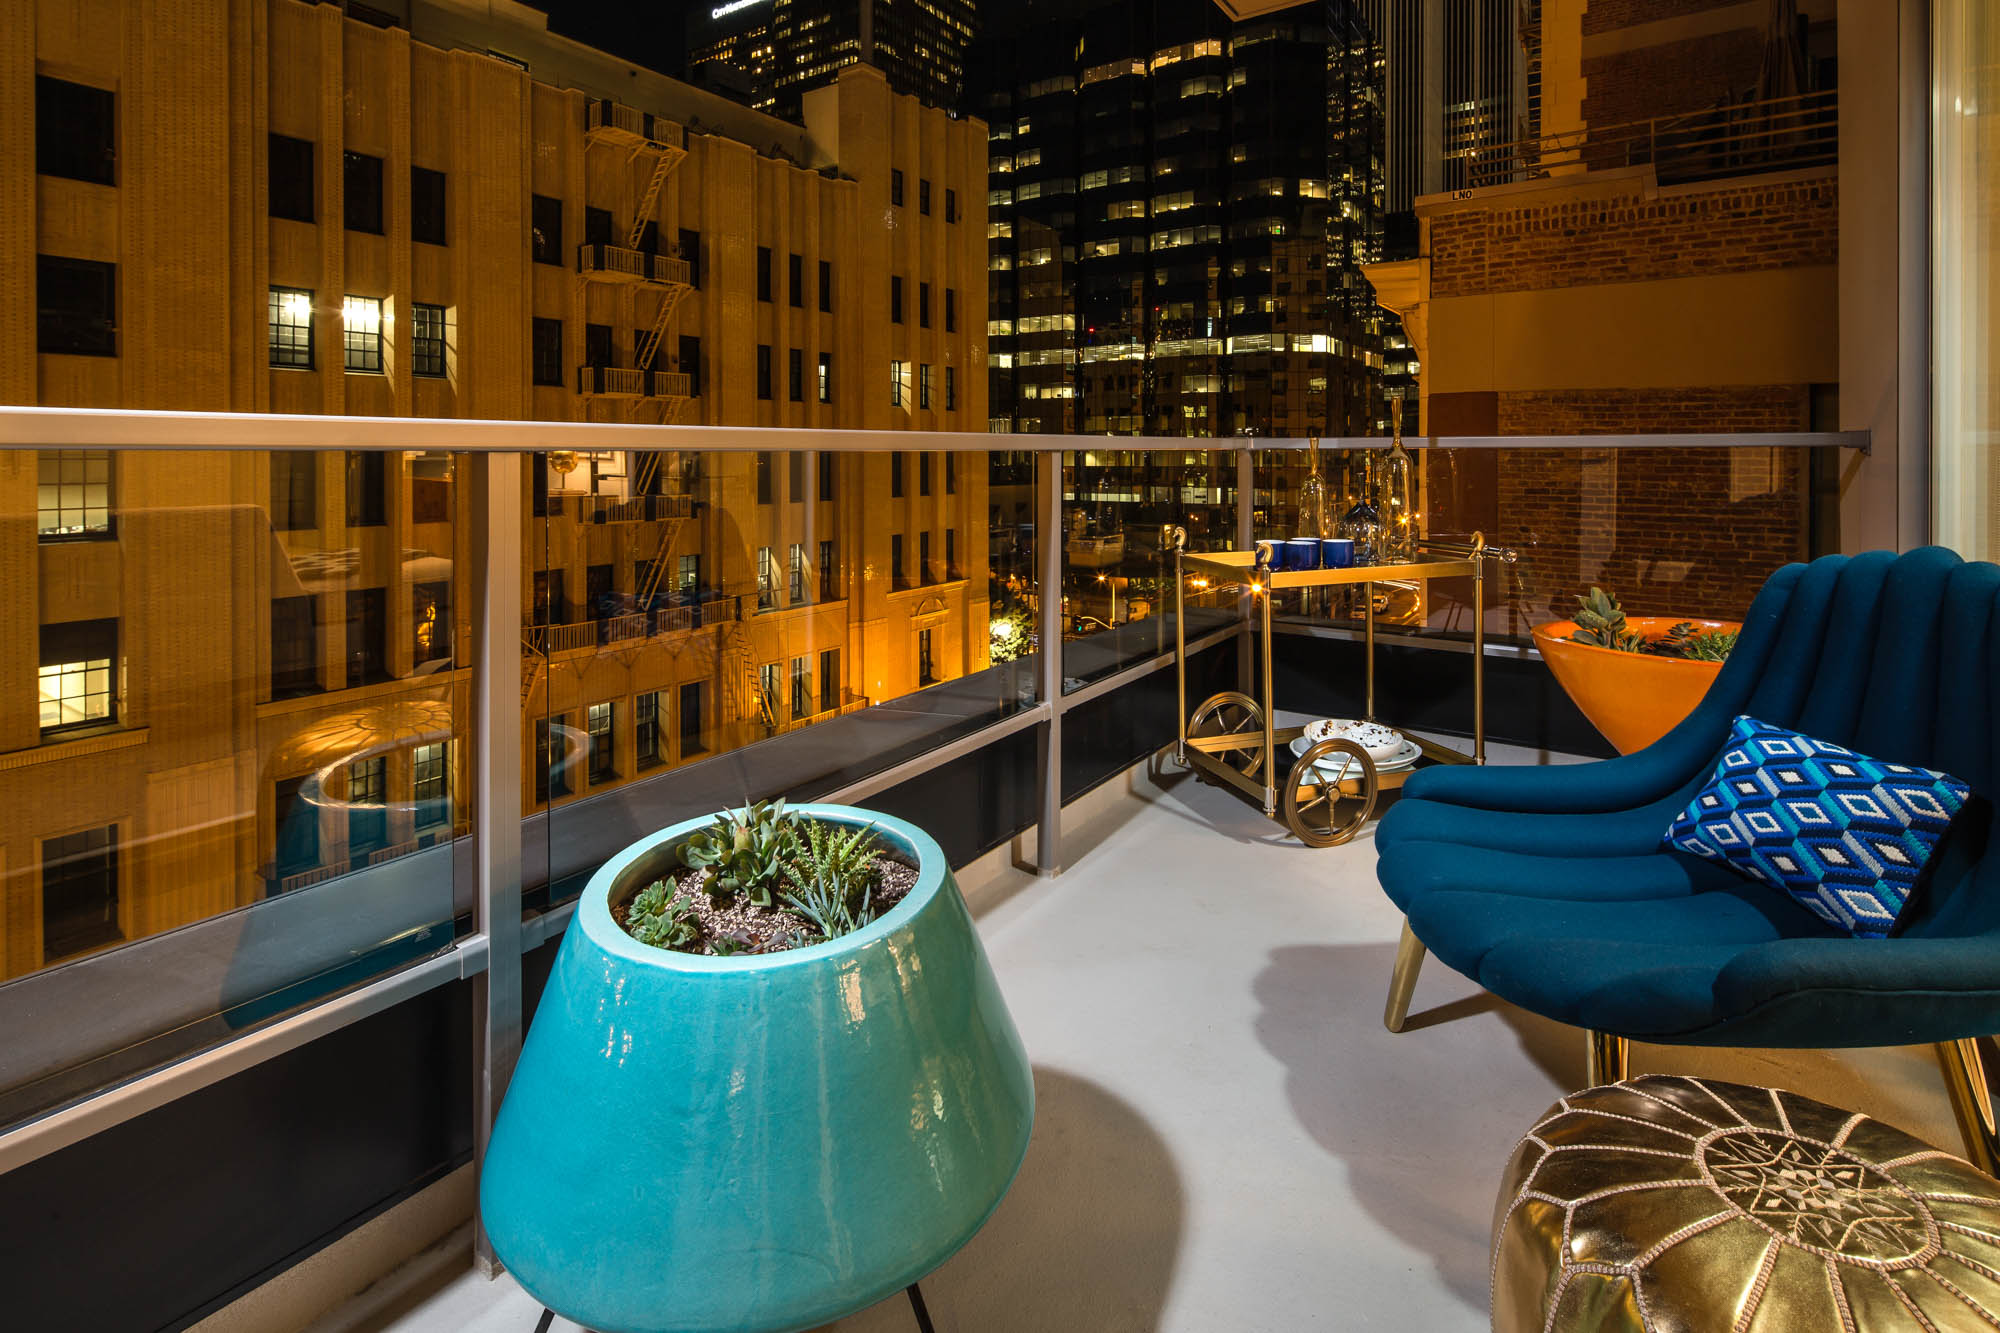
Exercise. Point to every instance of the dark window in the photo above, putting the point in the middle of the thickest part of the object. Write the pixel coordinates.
(77, 684)
(367, 809)
(548, 367)
(551, 604)
(764, 481)
(80, 892)
(294, 491)
(297, 824)
(76, 131)
(951, 474)
(691, 251)
(598, 719)
(763, 272)
(926, 664)
(551, 744)
(292, 328)
(76, 306)
(924, 386)
(365, 473)
(896, 186)
(763, 370)
(795, 575)
(795, 367)
(431, 633)
(829, 679)
(545, 229)
(924, 304)
(825, 287)
(951, 310)
(691, 719)
(825, 475)
(895, 299)
(427, 210)
(924, 197)
(649, 237)
(646, 729)
(897, 577)
(367, 636)
(826, 587)
(924, 572)
(951, 553)
(796, 275)
(795, 472)
(923, 474)
(600, 602)
(802, 687)
(950, 388)
(690, 362)
(597, 226)
(950, 204)
(896, 474)
(427, 340)
(597, 345)
(362, 192)
(291, 185)
(826, 377)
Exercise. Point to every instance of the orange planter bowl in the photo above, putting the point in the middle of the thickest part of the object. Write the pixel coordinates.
(1633, 698)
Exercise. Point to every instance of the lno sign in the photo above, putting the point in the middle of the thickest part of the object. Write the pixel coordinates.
(723, 11)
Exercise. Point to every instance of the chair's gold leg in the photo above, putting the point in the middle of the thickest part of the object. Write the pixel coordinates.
(1965, 1081)
(1403, 980)
(1605, 1059)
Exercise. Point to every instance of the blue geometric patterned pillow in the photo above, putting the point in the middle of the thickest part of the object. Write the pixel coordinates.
(1845, 835)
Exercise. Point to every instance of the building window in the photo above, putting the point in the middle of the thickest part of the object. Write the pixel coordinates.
(431, 786)
(427, 340)
(76, 684)
(294, 491)
(767, 691)
(923, 474)
(796, 575)
(365, 486)
(291, 328)
(767, 579)
(951, 553)
(826, 377)
(690, 244)
(597, 226)
(766, 482)
(764, 370)
(597, 345)
(551, 772)
(76, 131)
(802, 687)
(826, 585)
(427, 211)
(795, 367)
(646, 729)
(361, 334)
(825, 287)
(361, 192)
(924, 386)
(896, 474)
(687, 576)
(796, 275)
(951, 310)
(545, 229)
(899, 383)
(898, 578)
(926, 663)
(950, 204)
(951, 474)
(795, 469)
(76, 306)
(291, 178)
(431, 634)
(829, 680)
(548, 358)
(895, 298)
(924, 197)
(825, 475)
(79, 892)
(690, 730)
(73, 494)
(368, 781)
(690, 363)
(367, 636)
(896, 186)
(924, 305)
(598, 723)
(294, 647)
(763, 272)
(950, 389)
(925, 573)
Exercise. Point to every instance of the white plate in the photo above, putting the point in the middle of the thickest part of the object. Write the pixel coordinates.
(1404, 757)
(1383, 744)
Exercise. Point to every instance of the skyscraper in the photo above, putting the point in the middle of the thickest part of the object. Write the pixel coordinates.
(772, 52)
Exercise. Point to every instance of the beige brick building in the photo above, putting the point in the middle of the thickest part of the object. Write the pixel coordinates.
(230, 674)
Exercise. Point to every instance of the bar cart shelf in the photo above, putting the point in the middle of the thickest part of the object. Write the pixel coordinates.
(1330, 790)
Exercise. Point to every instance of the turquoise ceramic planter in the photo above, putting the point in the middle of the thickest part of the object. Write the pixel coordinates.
(755, 1143)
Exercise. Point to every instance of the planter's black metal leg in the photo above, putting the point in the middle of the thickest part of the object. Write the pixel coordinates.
(548, 1317)
(917, 1307)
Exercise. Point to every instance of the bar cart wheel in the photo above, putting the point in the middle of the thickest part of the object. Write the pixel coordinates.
(1324, 811)
(1237, 717)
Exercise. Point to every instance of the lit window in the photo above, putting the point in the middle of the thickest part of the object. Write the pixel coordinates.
(361, 333)
(368, 781)
(291, 328)
(432, 788)
(598, 723)
(73, 493)
(767, 579)
(75, 683)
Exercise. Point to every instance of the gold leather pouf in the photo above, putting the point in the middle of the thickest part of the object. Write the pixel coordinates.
(1677, 1205)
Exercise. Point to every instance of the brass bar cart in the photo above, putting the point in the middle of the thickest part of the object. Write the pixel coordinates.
(1233, 738)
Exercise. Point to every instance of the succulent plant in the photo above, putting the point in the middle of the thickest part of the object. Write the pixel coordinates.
(834, 875)
(744, 851)
(1600, 622)
(826, 905)
(661, 918)
(1709, 645)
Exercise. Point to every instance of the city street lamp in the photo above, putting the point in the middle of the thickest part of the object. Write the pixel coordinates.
(1112, 584)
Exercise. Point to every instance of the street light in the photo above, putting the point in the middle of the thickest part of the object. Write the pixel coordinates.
(1112, 584)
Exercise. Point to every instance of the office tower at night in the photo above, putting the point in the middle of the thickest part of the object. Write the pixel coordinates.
(729, 48)
(779, 50)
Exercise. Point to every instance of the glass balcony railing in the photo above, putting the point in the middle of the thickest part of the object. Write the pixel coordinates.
(246, 778)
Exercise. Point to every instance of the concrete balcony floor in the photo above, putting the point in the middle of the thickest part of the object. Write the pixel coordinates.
(1227, 1138)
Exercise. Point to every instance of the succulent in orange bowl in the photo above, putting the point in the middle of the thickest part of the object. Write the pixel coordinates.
(1634, 677)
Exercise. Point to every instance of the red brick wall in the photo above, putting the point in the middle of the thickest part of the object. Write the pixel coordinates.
(1671, 78)
(1610, 15)
(1733, 229)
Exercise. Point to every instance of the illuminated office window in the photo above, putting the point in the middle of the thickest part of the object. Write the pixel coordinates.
(291, 328)
(361, 334)
(73, 494)
(76, 685)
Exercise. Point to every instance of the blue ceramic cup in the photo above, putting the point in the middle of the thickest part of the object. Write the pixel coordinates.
(1302, 553)
(1336, 553)
(1273, 552)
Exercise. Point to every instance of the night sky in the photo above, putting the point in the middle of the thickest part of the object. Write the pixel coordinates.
(651, 33)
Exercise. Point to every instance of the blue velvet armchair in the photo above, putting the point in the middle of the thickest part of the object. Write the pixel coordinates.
(1549, 886)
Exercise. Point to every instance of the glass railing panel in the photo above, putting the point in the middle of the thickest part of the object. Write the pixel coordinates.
(232, 752)
(1118, 564)
(705, 628)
